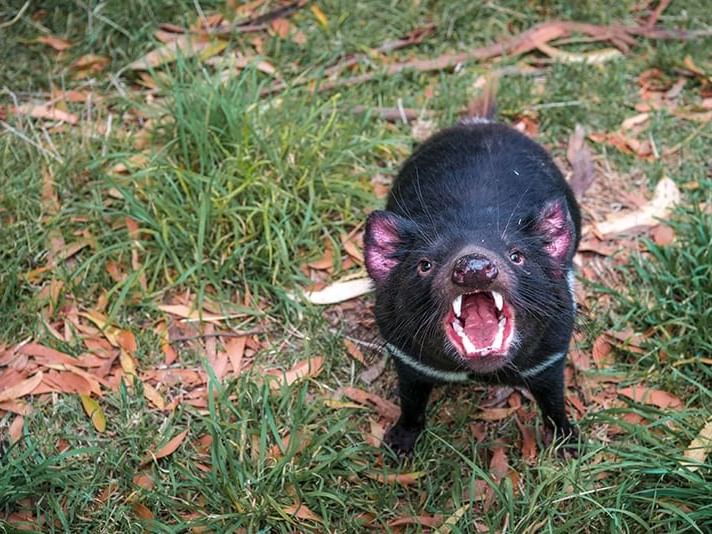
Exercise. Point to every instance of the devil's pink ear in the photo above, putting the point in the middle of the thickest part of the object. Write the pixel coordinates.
(555, 225)
(383, 236)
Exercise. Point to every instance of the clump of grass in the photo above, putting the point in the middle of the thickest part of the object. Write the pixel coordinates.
(245, 188)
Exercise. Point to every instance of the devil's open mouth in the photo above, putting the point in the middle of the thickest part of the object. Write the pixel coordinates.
(480, 324)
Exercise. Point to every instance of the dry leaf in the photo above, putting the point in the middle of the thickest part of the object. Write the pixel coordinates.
(635, 120)
(382, 406)
(666, 196)
(601, 352)
(453, 520)
(25, 387)
(301, 511)
(340, 291)
(495, 414)
(15, 430)
(499, 465)
(153, 396)
(354, 351)
(94, 411)
(663, 235)
(305, 368)
(281, 27)
(583, 172)
(89, 64)
(186, 45)
(44, 111)
(320, 16)
(141, 511)
(404, 479)
(699, 448)
(190, 314)
(169, 448)
(57, 43)
(429, 521)
(144, 481)
(656, 397)
(235, 349)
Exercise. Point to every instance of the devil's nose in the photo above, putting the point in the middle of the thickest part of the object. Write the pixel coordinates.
(473, 270)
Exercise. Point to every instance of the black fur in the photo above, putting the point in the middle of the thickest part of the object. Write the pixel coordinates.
(485, 186)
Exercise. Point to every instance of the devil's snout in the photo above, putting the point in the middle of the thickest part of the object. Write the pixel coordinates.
(474, 270)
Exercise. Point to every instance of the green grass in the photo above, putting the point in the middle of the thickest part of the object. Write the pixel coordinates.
(238, 190)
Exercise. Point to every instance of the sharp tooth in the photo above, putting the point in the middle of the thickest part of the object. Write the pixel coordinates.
(457, 305)
(497, 343)
(498, 300)
(467, 344)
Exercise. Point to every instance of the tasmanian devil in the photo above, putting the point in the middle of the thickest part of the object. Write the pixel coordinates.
(472, 264)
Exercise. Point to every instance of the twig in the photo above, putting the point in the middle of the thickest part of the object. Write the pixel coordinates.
(620, 36)
(662, 6)
(30, 141)
(415, 37)
(218, 334)
(394, 114)
(278, 13)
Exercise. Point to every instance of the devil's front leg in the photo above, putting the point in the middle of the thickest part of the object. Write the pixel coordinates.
(414, 393)
(548, 390)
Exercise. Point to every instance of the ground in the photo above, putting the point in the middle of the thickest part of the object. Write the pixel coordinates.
(176, 175)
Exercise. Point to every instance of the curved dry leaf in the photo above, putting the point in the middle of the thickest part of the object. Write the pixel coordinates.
(141, 511)
(666, 196)
(55, 42)
(453, 520)
(15, 430)
(384, 407)
(340, 291)
(404, 479)
(153, 396)
(429, 521)
(43, 111)
(310, 367)
(699, 448)
(22, 388)
(170, 447)
(186, 45)
(94, 411)
(301, 511)
(656, 397)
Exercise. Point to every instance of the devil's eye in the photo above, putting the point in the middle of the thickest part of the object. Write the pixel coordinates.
(516, 257)
(424, 266)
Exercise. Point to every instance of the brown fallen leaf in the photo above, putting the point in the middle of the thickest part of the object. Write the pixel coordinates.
(141, 511)
(301, 511)
(88, 65)
(454, 519)
(404, 479)
(663, 235)
(306, 368)
(20, 389)
(281, 27)
(382, 406)
(666, 196)
(656, 397)
(699, 448)
(601, 352)
(190, 314)
(144, 480)
(15, 430)
(340, 291)
(595, 57)
(17, 407)
(153, 396)
(235, 349)
(169, 448)
(47, 112)
(55, 42)
(495, 414)
(354, 351)
(635, 120)
(94, 411)
(185, 45)
(583, 172)
(428, 521)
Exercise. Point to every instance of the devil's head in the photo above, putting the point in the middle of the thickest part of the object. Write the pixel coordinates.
(471, 293)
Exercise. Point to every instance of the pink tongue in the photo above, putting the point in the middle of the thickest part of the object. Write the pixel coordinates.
(480, 317)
